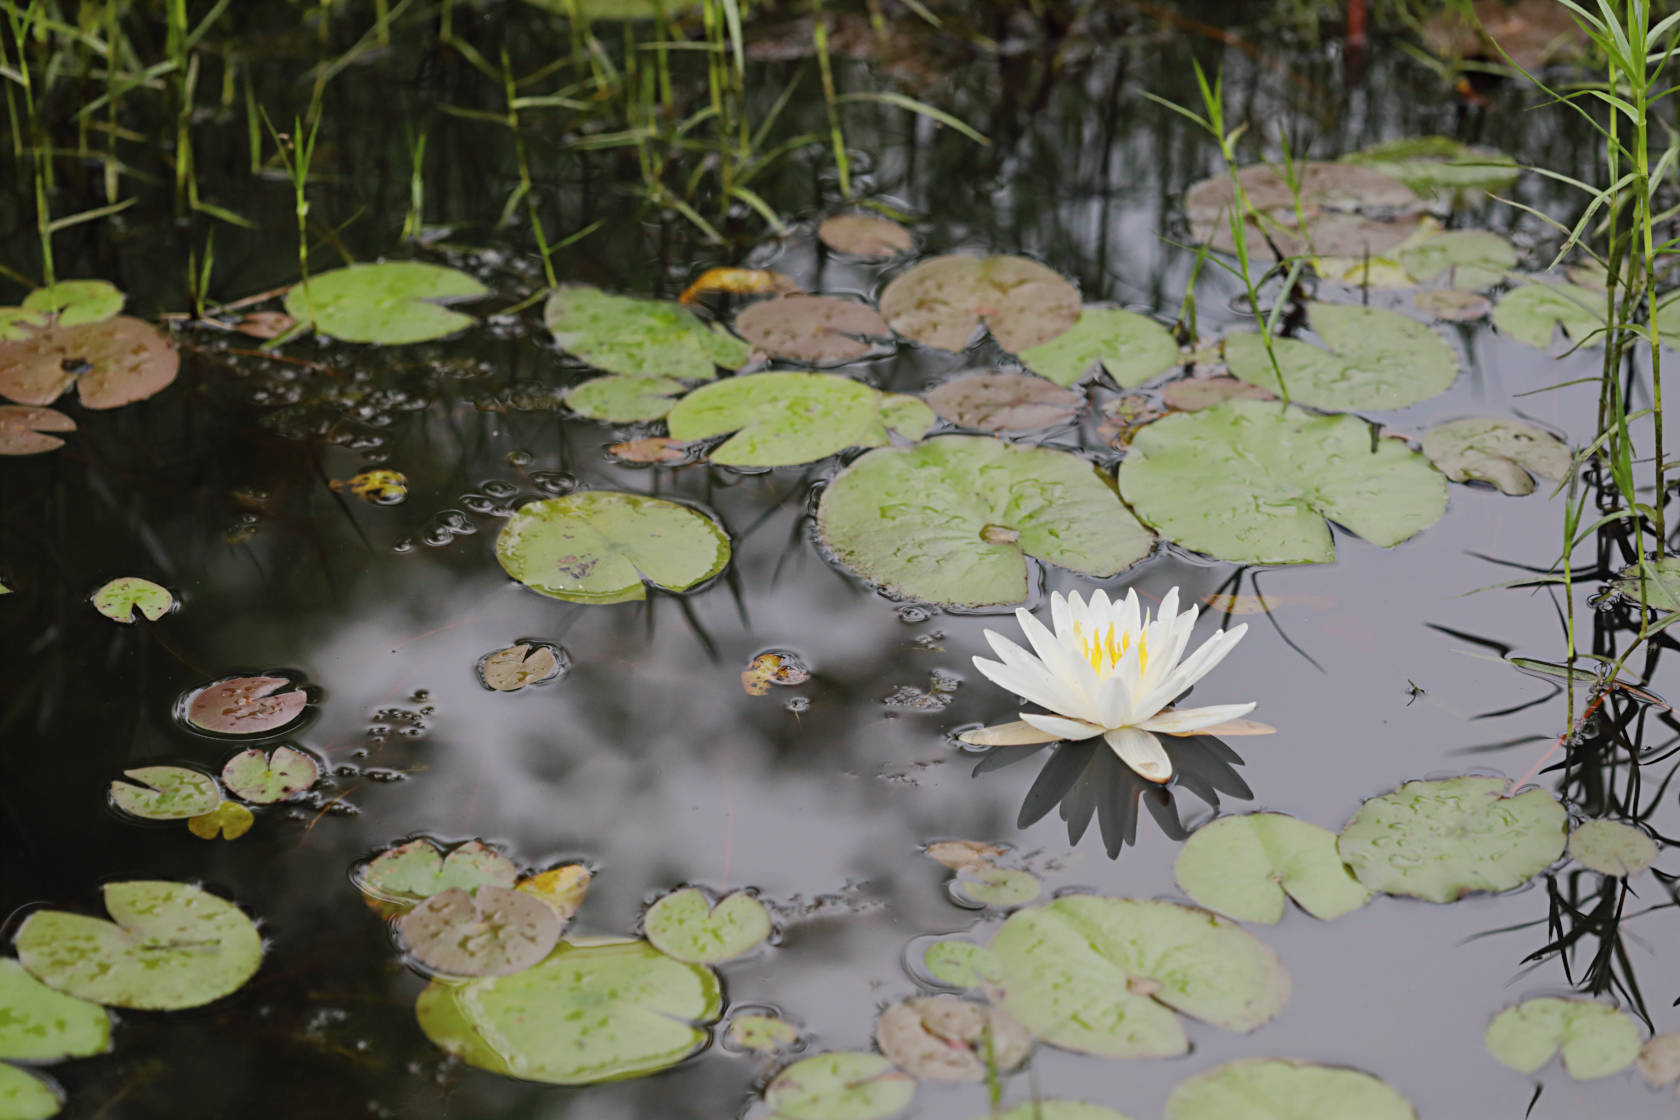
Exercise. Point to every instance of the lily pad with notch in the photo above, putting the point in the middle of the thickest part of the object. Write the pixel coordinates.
(1533, 313)
(620, 399)
(492, 931)
(1129, 347)
(1371, 359)
(1004, 402)
(685, 925)
(112, 362)
(1595, 1039)
(1266, 1088)
(25, 429)
(840, 1085)
(120, 598)
(417, 869)
(954, 519)
(74, 302)
(40, 1024)
(803, 328)
(246, 705)
(637, 337)
(521, 665)
(229, 819)
(266, 779)
(391, 303)
(601, 546)
(1002, 887)
(165, 793)
(1254, 482)
(784, 418)
(1612, 848)
(941, 302)
(1244, 866)
(1509, 454)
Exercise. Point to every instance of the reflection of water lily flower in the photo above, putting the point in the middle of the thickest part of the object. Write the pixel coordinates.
(1109, 670)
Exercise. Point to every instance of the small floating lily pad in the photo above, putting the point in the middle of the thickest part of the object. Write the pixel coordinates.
(170, 946)
(76, 301)
(943, 1038)
(1266, 1089)
(1106, 975)
(953, 519)
(265, 779)
(38, 1024)
(513, 668)
(1469, 259)
(1504, 452)
(1130, 348)
(230, 820)
(1003, 402)
(962, 964)
(685, 926)
(119, 599)
(781, 419)
(388, 302)
(865, 235)
(112, 363)
(586, 1013)
(1442, 840)
(941, 302)
(1595, 1038)
(1371, 358)
(996, 886)
(1243, 866)
(840, 1085)
(1253, 482)
(958, 854)
(646, 338)
(493, 931)
(803, 328)
(1438, 164)
(1350, 211)
(1532, 313)
(416, 870)
(599, 546)
(27, 1096)
(1612, 848)
(24, 429)
(762, 1034)
(618, 399)
(165, 793)
(246, 705)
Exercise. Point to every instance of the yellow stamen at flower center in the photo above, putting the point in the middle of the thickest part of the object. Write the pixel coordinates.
(1104, 649)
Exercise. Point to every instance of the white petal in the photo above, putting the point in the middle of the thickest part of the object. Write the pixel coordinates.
(1061, 617)
(1183, 721)
(1142, 752)
(1168, 611)
(1016, 734)
(1062, 728)
(1026, 677)
(1199, 664)
(1056, 657)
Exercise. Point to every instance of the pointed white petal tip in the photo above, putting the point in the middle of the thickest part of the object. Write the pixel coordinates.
(1016, 734)
(1229, 728)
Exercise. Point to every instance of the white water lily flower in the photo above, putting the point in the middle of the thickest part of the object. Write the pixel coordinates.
(1109, 670)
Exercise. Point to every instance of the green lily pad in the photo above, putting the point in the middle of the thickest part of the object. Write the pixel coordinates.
(390, 302)
(230, 820)
(784, 418)
(1057, 1110)
(1253, 482)
(15, 323)
(1662, 583)
(962, 964)
(586, 1013)
(953, 519)
(264, 779)
(27, 1096)
(996, 886)
(942, 301)
(1130, 348)
(801, 328)
(119, 599)
(1467, 259)
(1004, 402)
(1442, 840)
(944, 1038)
(1504, 452)
(840, 1085)
(617, 399)
(494, 931)
(38, 1024)
(1433, 165)
(165, 793)
(685, 926)
(416, 870)
(25, 428)
(1243, 866)
(246, 705)
(1268, 1089)
(647, 338)
(1106, 975)
(76, 301)
(599, 546)
(1373, 359)
(762, 1034)
(1533, 312)
(112, 363)
(170, 946)
(1596, 1039)
(1612, 848)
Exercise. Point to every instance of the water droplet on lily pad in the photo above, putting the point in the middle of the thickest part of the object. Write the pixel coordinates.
(1267, 1088)
(801, 328)
(1243, 866)
(1003, 402)
(941, 302)
(517, 666)
(230, 820)
(944, 1038)
(1532, 313)
(119, 599)
(25, 1095)
(265, 779)
(1596, 1039)
(1442, 840)
(388, 302)
(1254, 482)
(912, 520)
(840, 1085)
(165, 793)
(686, 926)
(24, 428)
(169, 946)
(246, 705)
(38, 1024)
(599, 546)
(112, 363)
(1129, 347)
(865, 235)
(1371, 358)
(1612, 848)
(646, 338)
(780, 419)
(76, 301)
(493, 931)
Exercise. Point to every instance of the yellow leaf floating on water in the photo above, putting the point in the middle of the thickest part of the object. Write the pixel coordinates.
(230, 818)
(562, 888)
(958, 854)
(381, 487)
(772, 668)
(739, 281)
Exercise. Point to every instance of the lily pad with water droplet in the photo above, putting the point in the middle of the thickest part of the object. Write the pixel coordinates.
(1532, 313)
(1269, 1089)
(865, 235)
(1003, 402)
(1371, 358)
(780, 419)
(24, 428)
(1110, 975)
(112, 363)
(636, 337)
(685, 926)
(1612, 848)
(962, 964)
(76, 301)
(840, 1085)
(1057, 1110)
(38, 1024)
(600, 546)
(388, 302)
(944, 1038)
(27, 1096)
(1469, 259)
(119, 599)
(230, 820)
(585, 1013)
(1254, 482)
(996, 886)
(1442, 840)
(941, 302)
(517, 666)
(416, 870)
(1504, 452)
(265, 779)
(246, 705)
(494, 931)
(170, 946)
(1243, 867)
(165, 793)
(1433, 165)
(801, 328)
(618, 399)
(953, 519)
(1595, 1038)
(1129, 347)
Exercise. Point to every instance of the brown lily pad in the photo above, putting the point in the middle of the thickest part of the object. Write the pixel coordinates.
(863, 235)
(528, 663)
(650, 449)
(494, 931)
(1350, 211)
(941, 301)
(944, 1038)
(266, 324)
(246, 705)
(811, 328)
(1196, 393)
(24, 428)
(1531, 32)
(1003, 402)
(112, 363)
(1453, 305)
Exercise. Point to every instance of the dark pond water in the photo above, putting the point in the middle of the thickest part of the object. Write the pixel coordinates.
(648, 761)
